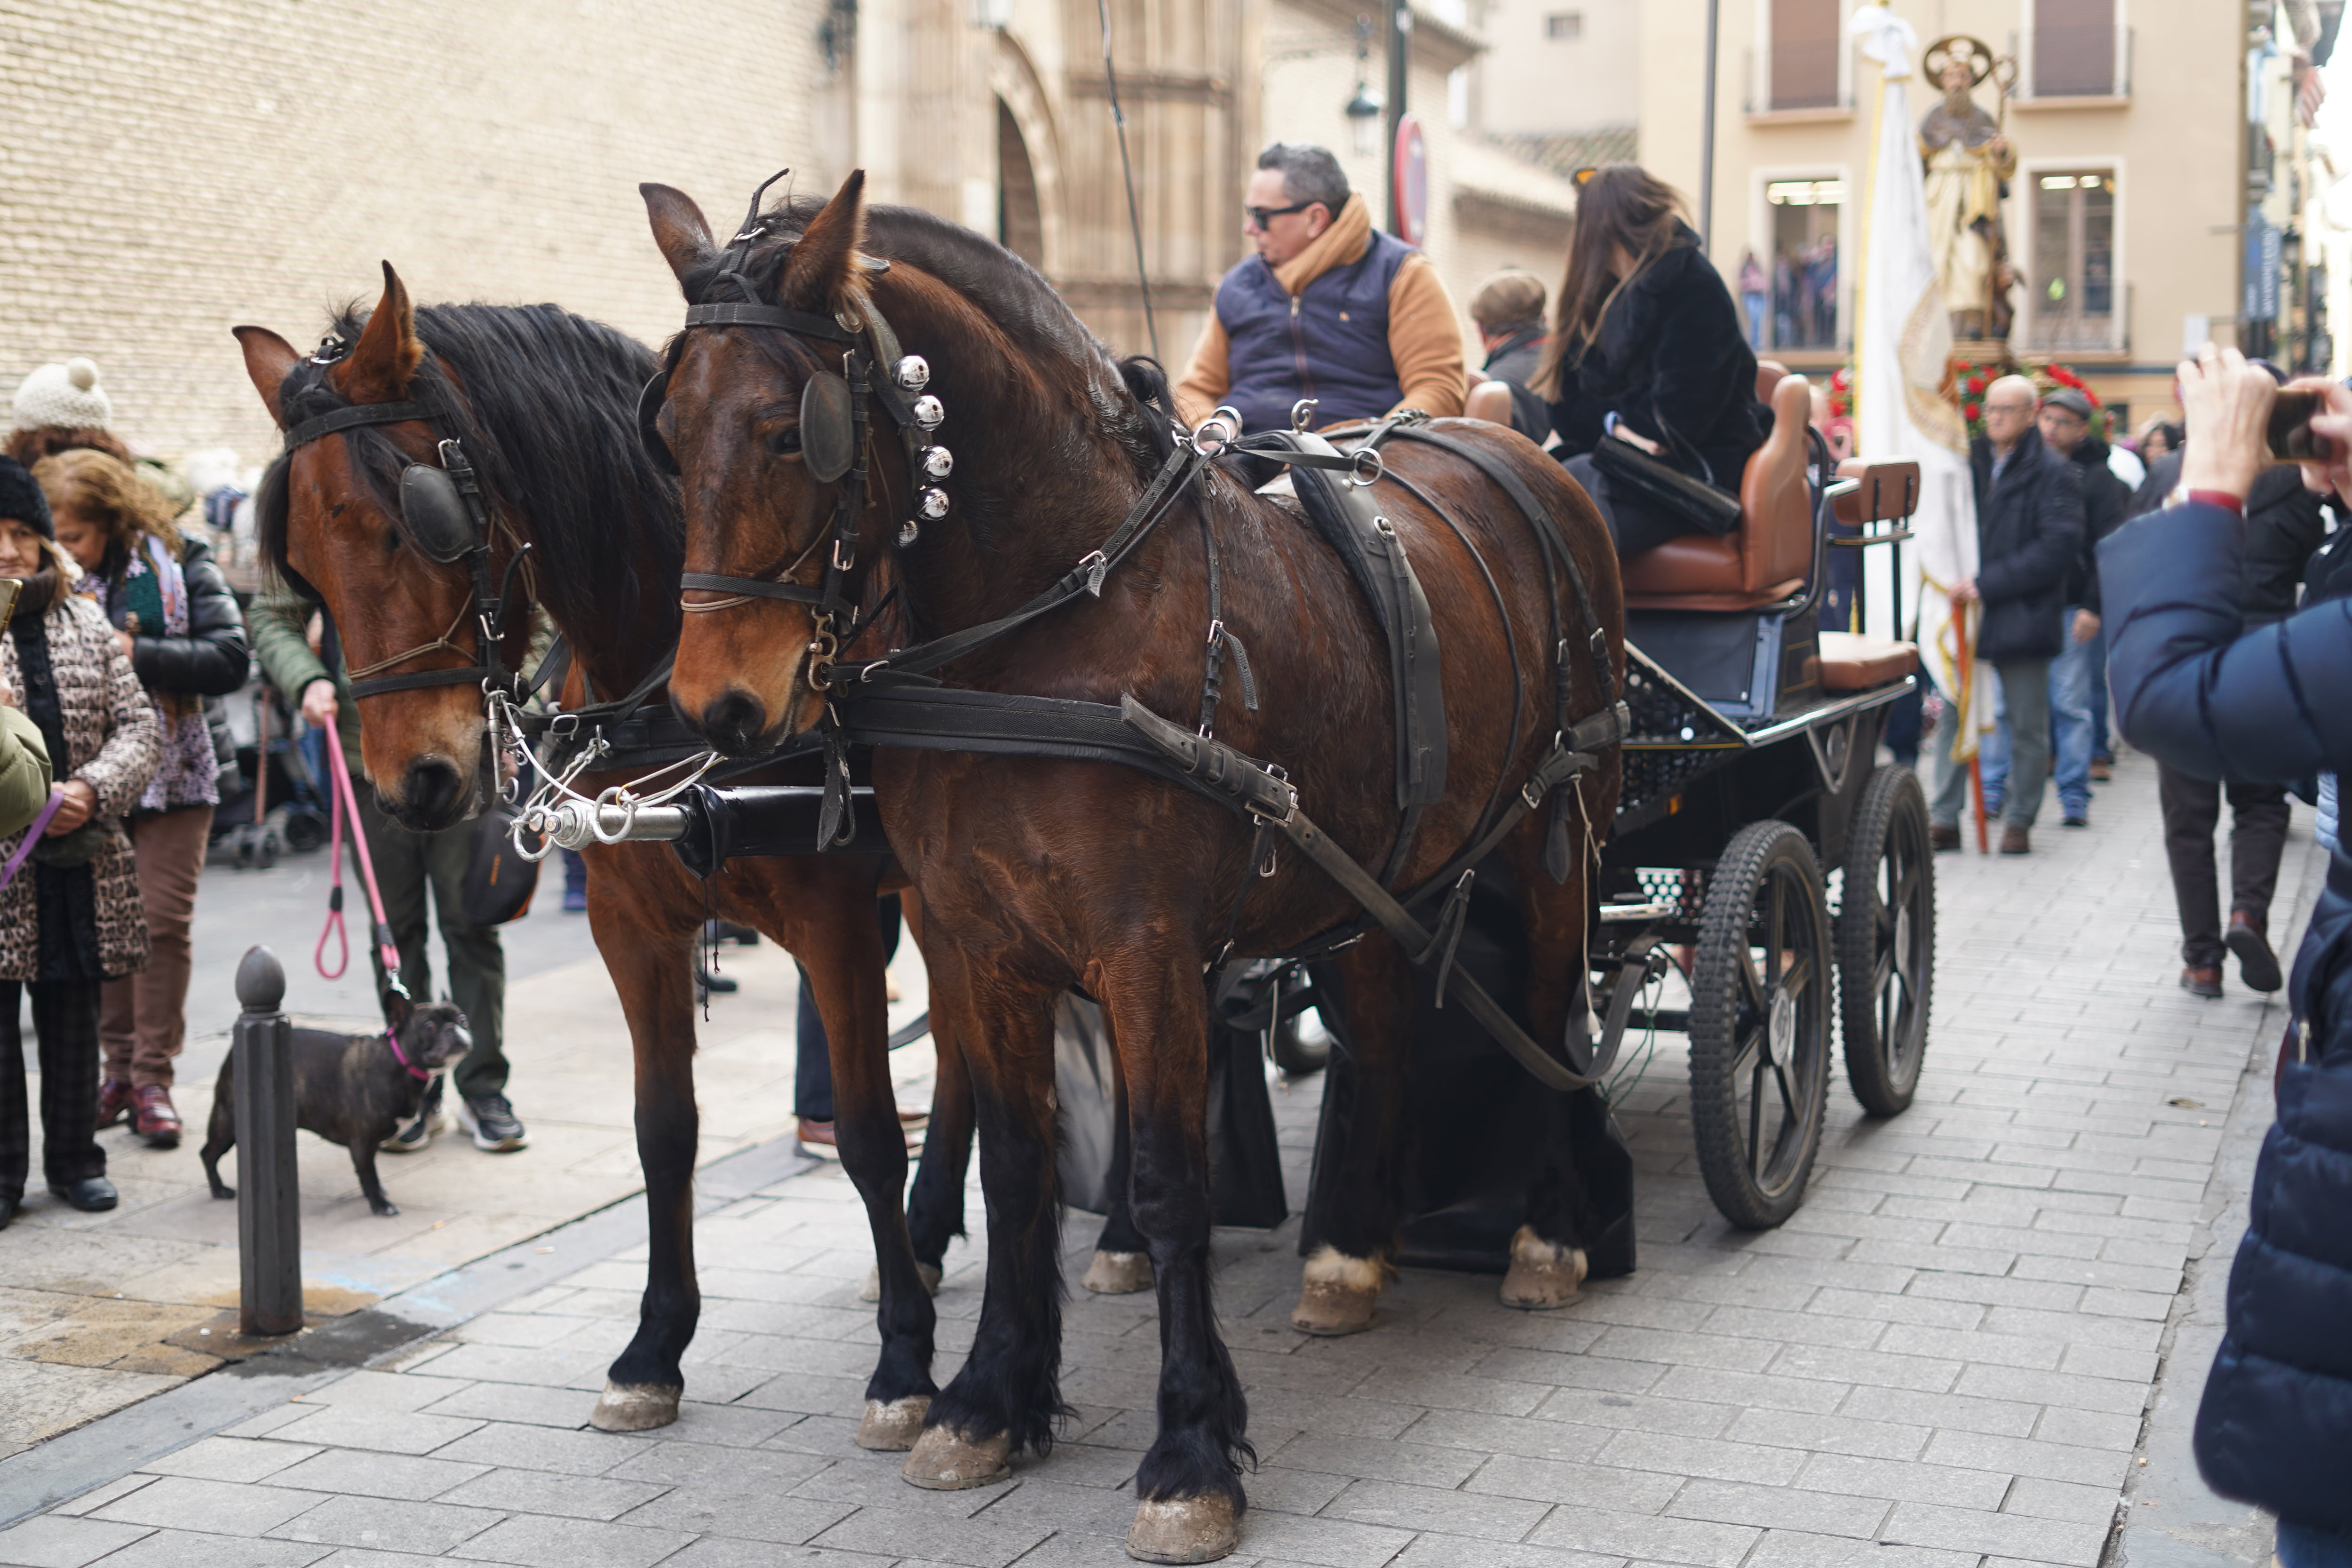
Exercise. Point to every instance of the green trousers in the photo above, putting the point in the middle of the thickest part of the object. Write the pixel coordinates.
(406, 864)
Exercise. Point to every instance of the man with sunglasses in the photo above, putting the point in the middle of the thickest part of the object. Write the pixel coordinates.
(1327, 306)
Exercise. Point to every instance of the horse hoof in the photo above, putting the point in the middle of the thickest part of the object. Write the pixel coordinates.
(634, 1406)
(1119, 1273)
(1543, 1274)
(1339, 1294)
(872, 1290)
(1183, 1530)
(892, 1428)
(946, 1461)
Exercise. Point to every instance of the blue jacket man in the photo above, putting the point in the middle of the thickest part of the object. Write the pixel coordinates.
(1327, 306)
(2274, 704)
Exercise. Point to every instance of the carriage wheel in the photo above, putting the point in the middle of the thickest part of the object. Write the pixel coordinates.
(1759, 1024)
(1887, 942)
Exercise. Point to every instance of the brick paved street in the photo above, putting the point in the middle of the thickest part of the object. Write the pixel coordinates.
(1941, 1362)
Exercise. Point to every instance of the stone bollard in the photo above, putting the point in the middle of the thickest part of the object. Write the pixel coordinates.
(269, 1196)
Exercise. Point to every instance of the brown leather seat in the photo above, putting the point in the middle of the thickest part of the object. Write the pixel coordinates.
(1769, 374)
(1768, 556)
(1885, 492)
(1851, 661)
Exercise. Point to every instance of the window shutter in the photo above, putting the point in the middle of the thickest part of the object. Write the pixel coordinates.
(1804, 73)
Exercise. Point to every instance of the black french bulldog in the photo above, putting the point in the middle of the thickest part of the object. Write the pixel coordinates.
(352, 1089)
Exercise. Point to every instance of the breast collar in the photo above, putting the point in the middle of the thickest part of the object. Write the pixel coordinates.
(866, 341)
(487, 608)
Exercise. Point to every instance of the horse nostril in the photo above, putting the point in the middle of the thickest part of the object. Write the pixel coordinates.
(734, 721)
(431, 790)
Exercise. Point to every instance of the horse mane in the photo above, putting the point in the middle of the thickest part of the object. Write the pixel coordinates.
(545, 402)
(1015, 297)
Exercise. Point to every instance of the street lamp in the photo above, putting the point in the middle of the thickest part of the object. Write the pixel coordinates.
(1365, 110)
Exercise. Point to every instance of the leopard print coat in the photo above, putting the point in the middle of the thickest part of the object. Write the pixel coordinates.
(109, 724)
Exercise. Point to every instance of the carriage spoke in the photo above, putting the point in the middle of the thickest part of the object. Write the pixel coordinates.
(1788, 1096)
(1750, 986)
(1799, 975)
(1773, 925)
(1756, 1117)
(1755, 1041)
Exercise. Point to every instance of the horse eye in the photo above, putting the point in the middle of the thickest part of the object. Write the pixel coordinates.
(785, 443)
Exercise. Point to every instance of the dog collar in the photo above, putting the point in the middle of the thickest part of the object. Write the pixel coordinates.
(418, 1073)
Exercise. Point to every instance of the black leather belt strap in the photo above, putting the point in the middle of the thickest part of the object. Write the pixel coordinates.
(353, 418)
(790, 321)
(757, 587)
(377, 686)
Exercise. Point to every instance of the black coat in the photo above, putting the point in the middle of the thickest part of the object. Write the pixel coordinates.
(2106, 502)
(2028, 534)
(212, 660)
(1672, 362)
(1515, 363)
(2285, 526)
(2274, 704)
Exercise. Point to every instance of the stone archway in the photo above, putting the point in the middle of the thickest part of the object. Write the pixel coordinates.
(1028, 160)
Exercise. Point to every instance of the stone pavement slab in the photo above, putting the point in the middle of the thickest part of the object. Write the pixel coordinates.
(1948, 1360)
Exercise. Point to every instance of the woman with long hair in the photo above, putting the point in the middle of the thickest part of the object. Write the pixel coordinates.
(179, 624)
(1646, 349)
(70, 918)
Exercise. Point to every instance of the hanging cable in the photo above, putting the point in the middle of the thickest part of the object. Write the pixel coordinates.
(1126, 171)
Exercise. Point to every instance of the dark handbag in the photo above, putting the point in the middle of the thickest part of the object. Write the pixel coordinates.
(498, 880)
(79, 848)
(1636, 475)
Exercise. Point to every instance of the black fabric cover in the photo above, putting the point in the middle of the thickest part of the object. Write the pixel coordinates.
(498, 880)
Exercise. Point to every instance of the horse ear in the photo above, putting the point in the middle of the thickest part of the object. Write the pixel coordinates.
(268, 360)
(817, 271)
(385, 358)
(680, 228)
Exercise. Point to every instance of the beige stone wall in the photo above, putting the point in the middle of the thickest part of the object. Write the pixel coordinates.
(174, 167)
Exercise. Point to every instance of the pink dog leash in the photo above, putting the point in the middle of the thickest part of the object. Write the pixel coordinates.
(346, 806)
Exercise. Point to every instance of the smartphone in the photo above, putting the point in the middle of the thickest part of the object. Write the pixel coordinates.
(9, 588)
(2291, 435)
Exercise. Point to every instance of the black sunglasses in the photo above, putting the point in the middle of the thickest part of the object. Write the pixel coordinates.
(1260, 217)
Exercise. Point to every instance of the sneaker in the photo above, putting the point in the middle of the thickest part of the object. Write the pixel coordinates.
(114, 1100)
(418, 1131)
(2080, 818)
(2103, 770)
(492, 1122)
(154, 1118)
(575, 900)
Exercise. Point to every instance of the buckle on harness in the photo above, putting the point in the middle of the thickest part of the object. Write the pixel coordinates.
(1094, 564)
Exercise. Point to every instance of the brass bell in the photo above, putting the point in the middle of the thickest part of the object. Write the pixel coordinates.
(938, 462)
(933, 503)
(912, 373)
(928, 411)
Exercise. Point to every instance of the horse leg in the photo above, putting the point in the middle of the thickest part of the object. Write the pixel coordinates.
(1121, 1265)
(843, 953)
(1357, 1158)
(1008, 1394)
(1548, 1262)
(645, 950)
(1188, 1489)
(935, 1207)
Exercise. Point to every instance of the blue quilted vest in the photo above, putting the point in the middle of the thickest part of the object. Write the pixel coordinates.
(1331, 343)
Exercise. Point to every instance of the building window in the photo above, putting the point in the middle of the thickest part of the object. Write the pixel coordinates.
(2073, 48)
(1564, 25)
(2073, 278)
(1805, 216)
(1805, 44)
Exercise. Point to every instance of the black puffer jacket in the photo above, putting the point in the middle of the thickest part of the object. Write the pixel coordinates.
(2028, 534)
(1673, 364)
(2285, 526)
(213, 659)
(2106, 502)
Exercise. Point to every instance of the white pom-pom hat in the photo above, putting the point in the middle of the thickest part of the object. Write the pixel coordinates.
(65, 395)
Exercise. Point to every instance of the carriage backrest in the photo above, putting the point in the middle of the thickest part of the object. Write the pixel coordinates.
(1770, 554)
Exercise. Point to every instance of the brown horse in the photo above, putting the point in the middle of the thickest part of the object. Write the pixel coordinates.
(1043, 874)
(543, 403)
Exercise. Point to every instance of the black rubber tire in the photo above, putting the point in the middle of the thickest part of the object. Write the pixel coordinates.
(1887, 942)
(1766, 892)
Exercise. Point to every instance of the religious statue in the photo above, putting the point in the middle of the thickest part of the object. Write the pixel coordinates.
(1967, 160)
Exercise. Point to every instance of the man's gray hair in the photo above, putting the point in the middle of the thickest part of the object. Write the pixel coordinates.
(1310, 174)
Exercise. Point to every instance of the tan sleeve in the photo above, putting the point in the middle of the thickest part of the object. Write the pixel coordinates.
(1209, 377)
(1425, 341)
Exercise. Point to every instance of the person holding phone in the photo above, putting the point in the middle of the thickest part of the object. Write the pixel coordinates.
(2200, 692)
(71, 918)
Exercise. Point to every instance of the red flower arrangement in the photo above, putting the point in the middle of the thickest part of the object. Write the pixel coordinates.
(1842, 391)
(1970, 381)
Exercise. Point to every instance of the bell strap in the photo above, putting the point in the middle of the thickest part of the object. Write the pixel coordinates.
(353, 418)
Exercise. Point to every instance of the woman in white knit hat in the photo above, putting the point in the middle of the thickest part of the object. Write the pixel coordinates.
(61, 407)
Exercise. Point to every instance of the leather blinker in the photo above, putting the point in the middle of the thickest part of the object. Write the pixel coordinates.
(828, 439)
(649, 436)
(432, 515)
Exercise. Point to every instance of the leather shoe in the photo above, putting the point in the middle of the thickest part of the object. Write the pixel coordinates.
(2015, 840)
(2103, 769)
(153, 1119)
(91, 1194)
(2258, 966)
(1941, 838)
(115, 1099)
(2202, 980)
(7, 1212)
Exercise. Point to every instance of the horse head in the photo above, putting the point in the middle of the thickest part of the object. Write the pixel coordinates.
(332, 523)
